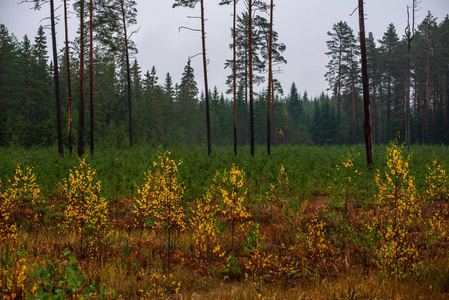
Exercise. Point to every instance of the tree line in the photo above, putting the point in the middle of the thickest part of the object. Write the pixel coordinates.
(128, 105)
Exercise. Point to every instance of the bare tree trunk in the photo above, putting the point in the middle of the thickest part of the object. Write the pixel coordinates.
(426, 107)
(235, 78)
(339, 96)
(273, 115)
(365, 82)
(128, 75)
(69, 79)
(354, 126)
(203, 38)
(407, 96)
(246, 100)
(251, 95)
(56, 75)
(1, 82)
(382, 132)
(81, 90)
(27, 94)
(388, 103)
(446, 108)
(375, 127)
(270, 79)
(91, 77)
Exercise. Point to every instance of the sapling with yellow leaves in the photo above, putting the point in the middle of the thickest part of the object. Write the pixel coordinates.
(159, 202)
(86, 212)
(22, 197)
(437, 192)
(230, 188)
(205, 232)
(397, 213)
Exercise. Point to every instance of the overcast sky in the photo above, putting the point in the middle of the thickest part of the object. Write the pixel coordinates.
(302, 25)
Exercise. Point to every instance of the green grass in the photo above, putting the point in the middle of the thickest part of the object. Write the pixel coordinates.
(312, 174)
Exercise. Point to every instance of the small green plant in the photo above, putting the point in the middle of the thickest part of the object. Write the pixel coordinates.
(12, 274)
(62, 281)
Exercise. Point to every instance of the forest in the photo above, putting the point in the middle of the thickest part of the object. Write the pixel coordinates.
(167, 113)
(134, 207)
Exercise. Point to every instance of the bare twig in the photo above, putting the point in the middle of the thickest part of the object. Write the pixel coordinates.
(188, 28)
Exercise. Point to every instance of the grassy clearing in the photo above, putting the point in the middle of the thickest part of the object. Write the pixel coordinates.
(304, 223)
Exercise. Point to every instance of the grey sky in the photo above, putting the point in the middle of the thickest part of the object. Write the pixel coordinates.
(302, 25)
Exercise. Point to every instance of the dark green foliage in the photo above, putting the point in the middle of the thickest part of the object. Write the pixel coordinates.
(171, 113)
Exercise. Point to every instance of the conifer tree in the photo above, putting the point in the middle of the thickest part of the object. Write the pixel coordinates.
(192, 4)
(389, 44)
(341, 37)
(37, 5)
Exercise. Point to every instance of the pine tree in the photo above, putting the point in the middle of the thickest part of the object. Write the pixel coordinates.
(339, 47)
(192, 4)
(389, 44)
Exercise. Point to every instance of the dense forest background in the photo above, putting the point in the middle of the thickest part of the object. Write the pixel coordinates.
(174, 113)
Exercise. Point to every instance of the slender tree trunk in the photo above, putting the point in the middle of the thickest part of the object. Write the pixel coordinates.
(91, 76)
(81, 88)
(426, 107)
(446, 108)
(388, 102)
(382, 113)
(375, 127)
(365, 82)
(128, 75)
(251, 95)
(339, 96)
(246, 99)
(1, 81)
(270, 79)
(407, 96)
(434, 113)
(354, 126)
(273, 115)
(69, 79)
(421, 116)
(235, 77)
(203, 39)
(56, 75)
(27, 94)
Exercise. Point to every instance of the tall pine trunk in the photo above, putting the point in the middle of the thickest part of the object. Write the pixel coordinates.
(270, 79)
(69, 79)
(56, 79)
(388, 101)
(251, 92)
(235, 77)
(407, 96)
(1, 81)
(81, 88)
(203, 39)
(128, 76)
(339, 95)
(91, 76)
(365, 82)
(426, 107)
(446, 108)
